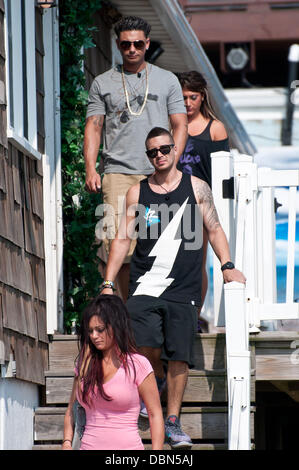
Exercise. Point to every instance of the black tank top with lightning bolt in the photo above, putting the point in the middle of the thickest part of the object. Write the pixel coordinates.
(167, 260)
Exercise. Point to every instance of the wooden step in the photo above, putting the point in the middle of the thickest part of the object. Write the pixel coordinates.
(203, 386)
(147, 446)
(46, 447)
(276, 355)
(208, 422)
(196, 446)
(198, 422)
(209, 352)
(273, 353)
(58, 386)
(63, 350)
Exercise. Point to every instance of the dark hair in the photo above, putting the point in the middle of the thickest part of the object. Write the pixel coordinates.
(194, 81)
(112, 312)
(157, 132)
(132, 23)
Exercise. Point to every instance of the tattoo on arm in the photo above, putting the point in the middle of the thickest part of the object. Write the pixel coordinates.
(97, 120)
(205, 199)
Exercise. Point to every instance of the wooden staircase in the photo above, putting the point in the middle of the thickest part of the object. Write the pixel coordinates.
(204, 408)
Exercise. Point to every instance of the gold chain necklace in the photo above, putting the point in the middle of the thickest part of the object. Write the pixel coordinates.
(127, 95)
(167, 190)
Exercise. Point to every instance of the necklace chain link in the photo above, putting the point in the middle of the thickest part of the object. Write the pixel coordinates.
(166, 190)
(127, 95)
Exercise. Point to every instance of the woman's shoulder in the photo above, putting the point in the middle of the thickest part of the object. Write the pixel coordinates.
(139, 359)
(141, 366)
(140, 363)
(217, 130)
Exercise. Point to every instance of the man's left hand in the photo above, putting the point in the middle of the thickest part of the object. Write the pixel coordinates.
(230, 275)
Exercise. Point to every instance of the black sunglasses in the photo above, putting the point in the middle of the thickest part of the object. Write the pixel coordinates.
(125, 45)
(164, 149)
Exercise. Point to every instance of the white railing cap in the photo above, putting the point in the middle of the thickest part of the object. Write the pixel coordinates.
(234, 285)
(221, 154)
(294, 53)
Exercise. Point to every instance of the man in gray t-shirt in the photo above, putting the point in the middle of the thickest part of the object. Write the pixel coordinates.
(124, 104)
(123, 143)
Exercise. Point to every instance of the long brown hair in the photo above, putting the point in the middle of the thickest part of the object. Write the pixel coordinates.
(194, 81)
(113, 313)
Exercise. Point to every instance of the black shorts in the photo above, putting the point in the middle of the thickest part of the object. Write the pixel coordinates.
(159, 323)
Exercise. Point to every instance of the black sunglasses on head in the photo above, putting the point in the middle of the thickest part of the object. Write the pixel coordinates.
(125, 45)
(164, 149)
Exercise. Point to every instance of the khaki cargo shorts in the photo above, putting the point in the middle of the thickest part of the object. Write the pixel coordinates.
(114, 190)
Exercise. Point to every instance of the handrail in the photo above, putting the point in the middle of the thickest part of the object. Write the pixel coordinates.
(251, 218)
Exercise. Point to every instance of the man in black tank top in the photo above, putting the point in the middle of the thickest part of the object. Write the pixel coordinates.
(166, 212)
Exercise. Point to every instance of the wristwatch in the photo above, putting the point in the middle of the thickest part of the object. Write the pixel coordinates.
(228, 265)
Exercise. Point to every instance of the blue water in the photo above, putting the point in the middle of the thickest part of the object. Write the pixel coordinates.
(282, 230)
(281, 259)
(280, 280)
(281, 283)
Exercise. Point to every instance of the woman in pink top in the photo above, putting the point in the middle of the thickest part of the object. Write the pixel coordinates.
(110, 379)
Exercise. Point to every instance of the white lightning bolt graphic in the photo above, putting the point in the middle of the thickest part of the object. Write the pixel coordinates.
(155, 281)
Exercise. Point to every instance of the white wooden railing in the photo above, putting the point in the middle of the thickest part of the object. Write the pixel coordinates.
(247, 215)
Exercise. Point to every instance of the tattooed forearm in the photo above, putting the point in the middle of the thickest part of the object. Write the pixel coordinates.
(205, 200)
(92, 138)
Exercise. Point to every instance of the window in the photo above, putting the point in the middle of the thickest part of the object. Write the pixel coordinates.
(21, 74)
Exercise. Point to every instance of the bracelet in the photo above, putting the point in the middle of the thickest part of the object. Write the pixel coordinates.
(107, 285)
(65, 440)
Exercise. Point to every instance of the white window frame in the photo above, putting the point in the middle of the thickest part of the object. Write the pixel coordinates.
(15, 132)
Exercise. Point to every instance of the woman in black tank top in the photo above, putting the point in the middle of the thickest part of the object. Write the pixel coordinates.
(206, 135)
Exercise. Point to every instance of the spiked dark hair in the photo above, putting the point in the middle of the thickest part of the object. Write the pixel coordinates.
(132, 23)
(157, 132)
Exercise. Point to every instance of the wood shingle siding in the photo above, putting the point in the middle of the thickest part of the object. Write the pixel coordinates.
(11, 217)
(22, 255)
(3, 117)
(15, 271)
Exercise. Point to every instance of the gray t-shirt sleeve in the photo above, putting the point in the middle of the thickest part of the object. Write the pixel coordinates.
(96, 102)
(175, 100)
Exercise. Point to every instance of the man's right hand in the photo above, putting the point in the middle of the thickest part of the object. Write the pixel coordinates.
(93, 183)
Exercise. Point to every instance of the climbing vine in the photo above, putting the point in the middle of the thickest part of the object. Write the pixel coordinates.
(81, 276)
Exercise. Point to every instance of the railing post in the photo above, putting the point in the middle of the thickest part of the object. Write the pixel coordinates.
(238, 367)
(222, 170)
(245, 171)
(266, 243)
(268, 240)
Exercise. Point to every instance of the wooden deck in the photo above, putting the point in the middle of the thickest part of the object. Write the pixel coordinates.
(204, 411)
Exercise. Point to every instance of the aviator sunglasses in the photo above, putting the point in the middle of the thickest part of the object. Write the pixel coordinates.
(125, 45)
(164, 149)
